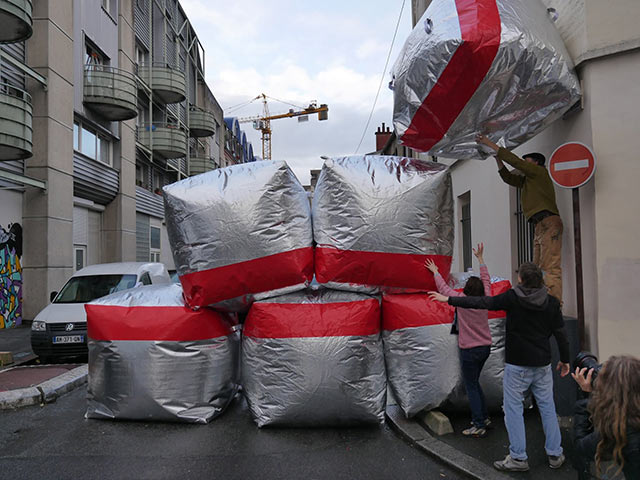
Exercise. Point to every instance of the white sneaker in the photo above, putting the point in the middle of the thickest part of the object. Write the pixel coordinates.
(511, 465)
(556, 461)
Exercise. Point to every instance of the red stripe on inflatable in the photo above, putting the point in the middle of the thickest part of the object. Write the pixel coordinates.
(399, 270)
(174, 324)
(480, 29)
(418, 310)
(295, 320)
(413, 310)
(496, 289)
(252, 276)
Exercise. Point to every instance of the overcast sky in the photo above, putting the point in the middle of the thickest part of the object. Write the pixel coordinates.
(331, 51)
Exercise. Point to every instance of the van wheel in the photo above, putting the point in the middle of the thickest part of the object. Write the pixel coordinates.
(45, 359)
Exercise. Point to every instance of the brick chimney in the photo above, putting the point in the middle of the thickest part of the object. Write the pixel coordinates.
(382, 136)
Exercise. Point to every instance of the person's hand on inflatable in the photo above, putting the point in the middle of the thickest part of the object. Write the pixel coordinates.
(438, 297)
(484, 140)
(431, 266)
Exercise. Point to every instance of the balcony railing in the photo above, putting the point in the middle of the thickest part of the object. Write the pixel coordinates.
(201, 164)
(110, 92)
(164, 139)
(16, 20)
(169, 85)
(16, 118)
(201, 123)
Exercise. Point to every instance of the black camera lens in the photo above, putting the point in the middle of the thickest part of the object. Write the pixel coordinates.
(588, 360)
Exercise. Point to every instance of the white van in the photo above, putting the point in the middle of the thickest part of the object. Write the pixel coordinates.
(60, 329)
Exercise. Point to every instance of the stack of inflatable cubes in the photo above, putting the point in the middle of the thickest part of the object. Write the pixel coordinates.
(246, 241)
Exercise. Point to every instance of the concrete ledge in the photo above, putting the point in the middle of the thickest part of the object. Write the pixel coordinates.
(6, 358)
(22, 397)
(420, 438)
(46, 392)
(437, 421)
(52, 389)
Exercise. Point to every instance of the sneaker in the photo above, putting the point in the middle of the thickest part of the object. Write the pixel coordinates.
(474, 431)
(488, 425)
(556, 461)
(511, 465)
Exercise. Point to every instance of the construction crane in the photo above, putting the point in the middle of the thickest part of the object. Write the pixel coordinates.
(263, 122)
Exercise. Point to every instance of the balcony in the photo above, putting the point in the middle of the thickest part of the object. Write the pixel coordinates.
(16, 20)
(168, 84)
(166, 140)
(110, 92)
(198, 165)
(16, 115)
(201, 123)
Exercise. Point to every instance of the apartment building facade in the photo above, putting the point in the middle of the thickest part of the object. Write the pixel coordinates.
(604, 42)
(102, 103)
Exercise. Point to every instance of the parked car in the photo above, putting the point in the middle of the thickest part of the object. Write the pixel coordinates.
(60, 329)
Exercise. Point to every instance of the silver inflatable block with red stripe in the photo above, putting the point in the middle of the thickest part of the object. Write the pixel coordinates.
(423, 358)
(153, 358)
(314, 358)
(497, 67)
(376, 219)
(240, 233)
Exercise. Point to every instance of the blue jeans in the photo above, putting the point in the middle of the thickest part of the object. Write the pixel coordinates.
(515, 383)
(472, 360)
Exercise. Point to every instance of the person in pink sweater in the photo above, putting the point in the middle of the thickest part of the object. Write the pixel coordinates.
(474, 340)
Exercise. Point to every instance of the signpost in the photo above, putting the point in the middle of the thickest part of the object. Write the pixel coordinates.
(571, 166)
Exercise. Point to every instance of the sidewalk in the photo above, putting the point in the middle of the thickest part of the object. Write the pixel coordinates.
(475, 456)
(22, 384)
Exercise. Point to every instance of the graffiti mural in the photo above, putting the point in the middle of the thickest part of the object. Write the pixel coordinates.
(10, 276)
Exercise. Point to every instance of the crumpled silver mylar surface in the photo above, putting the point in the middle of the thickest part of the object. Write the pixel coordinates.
(376, 219)
(498, 67)
(314, 358)
(423, 357)
(240, 233)
(181, 378)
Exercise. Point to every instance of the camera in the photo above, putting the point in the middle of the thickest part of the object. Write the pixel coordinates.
(588, 360)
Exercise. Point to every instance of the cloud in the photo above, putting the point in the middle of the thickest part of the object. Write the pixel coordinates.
(332, 52)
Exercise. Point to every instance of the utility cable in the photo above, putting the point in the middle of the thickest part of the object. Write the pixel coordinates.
(386, 64)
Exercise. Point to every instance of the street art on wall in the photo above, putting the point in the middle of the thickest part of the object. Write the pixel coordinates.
(10, 276)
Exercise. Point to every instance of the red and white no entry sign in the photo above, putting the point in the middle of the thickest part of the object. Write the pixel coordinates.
(572, 165)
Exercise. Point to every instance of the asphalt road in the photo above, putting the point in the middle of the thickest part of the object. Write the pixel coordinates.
(57, 442)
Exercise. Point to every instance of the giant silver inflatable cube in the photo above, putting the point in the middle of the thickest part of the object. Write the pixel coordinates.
(240, 233)
(423, 357)
(376, 219)
(498, 67)
(153, 358)
(314, 358)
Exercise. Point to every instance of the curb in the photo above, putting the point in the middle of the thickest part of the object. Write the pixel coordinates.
(420, 438)
(46, 392)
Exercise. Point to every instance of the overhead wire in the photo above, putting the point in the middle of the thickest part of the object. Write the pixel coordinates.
(386, 64)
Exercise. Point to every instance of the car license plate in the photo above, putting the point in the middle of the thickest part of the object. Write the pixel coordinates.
(69, 339)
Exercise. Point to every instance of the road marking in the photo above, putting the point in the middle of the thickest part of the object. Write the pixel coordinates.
(571, 165)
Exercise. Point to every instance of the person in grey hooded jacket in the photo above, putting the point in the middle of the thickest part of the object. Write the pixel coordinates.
(533, 316)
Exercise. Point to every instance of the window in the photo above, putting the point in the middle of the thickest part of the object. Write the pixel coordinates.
(93, 56)
(465, 221)
(142, 175)
(154, 238)
(111, 7)
(145, 279)
(154, 257)
(90, 143)
(524, 232)
(80, 257)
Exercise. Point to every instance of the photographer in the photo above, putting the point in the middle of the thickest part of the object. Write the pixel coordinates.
(608, 424)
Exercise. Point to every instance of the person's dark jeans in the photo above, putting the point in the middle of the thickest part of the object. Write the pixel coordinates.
(472, 360)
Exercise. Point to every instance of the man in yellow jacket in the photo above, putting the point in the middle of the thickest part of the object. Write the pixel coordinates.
(540, 208)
